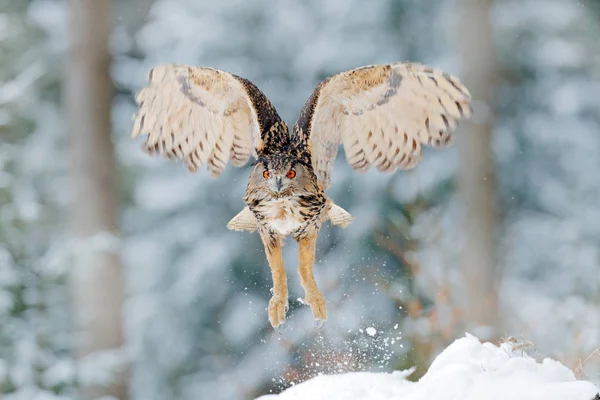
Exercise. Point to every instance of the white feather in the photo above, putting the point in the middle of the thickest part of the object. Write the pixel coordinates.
(196, 114)
(383, 114)
(280, 217)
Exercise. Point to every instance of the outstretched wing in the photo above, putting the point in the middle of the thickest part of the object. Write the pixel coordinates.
(382, 114)
(203, 116)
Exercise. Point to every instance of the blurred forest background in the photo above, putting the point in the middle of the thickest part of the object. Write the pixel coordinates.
(118, 276)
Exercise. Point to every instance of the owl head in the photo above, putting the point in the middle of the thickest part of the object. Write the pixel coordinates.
(281, 175)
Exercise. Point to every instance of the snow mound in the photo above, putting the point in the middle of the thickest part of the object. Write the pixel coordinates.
(466, 370)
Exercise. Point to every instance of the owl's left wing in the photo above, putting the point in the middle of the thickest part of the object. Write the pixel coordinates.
(382, 114)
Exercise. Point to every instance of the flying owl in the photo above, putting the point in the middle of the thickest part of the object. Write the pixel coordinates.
(381, 114)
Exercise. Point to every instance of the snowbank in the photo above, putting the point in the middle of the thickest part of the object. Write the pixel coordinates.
(466, 370)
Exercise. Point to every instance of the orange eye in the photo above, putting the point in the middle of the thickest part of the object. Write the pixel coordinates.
(291, 174)
(266, 174)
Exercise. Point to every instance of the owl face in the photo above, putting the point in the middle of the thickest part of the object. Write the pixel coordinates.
(280, 176)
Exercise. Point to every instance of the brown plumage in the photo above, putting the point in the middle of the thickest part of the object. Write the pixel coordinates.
(381, 114)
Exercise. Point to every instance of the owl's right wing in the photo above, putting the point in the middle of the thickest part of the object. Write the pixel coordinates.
(382, 114)
(203, 116)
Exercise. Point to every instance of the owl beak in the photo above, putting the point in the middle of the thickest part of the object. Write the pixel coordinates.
(278, 183)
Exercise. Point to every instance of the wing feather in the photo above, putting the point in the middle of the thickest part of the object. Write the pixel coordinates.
(382, 114)
(204, 116)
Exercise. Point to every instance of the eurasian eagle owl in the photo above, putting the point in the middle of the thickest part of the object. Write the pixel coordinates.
(381, 114)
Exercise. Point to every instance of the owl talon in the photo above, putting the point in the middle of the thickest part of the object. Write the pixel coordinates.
(280, 329)
(317, 305)
(277, 309)
(319, 324)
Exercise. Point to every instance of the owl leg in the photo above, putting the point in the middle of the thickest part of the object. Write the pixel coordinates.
(278, 304)
(314, 298)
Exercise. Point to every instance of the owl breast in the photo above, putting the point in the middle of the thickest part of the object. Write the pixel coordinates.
(282, 215)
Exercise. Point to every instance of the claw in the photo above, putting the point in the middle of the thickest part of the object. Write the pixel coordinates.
(276, 311)
(319, 323)
(317, 305)
(280, 329)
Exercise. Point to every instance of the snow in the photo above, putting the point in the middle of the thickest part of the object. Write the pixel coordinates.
(466, 370)
(371, 331)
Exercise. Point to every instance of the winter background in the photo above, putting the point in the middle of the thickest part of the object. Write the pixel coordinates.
(194, 294)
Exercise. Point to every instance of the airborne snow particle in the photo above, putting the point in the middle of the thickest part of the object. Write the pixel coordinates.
(371, 331)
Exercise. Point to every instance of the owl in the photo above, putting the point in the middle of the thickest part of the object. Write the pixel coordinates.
(381, 114)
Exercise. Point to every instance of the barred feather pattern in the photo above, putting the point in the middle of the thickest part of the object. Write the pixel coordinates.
(382, 115)
(204, 116)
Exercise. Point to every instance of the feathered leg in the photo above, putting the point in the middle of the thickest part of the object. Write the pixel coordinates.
(278, 304)
(314, 298)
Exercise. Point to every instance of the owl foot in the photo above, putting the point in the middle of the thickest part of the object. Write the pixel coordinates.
(278, 306)
(317, 304)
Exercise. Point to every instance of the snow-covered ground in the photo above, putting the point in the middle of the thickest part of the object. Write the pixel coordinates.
(466, 370)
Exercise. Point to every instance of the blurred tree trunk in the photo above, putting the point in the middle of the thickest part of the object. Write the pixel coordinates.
(477, 183)
(96, 278)
(134, 13)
